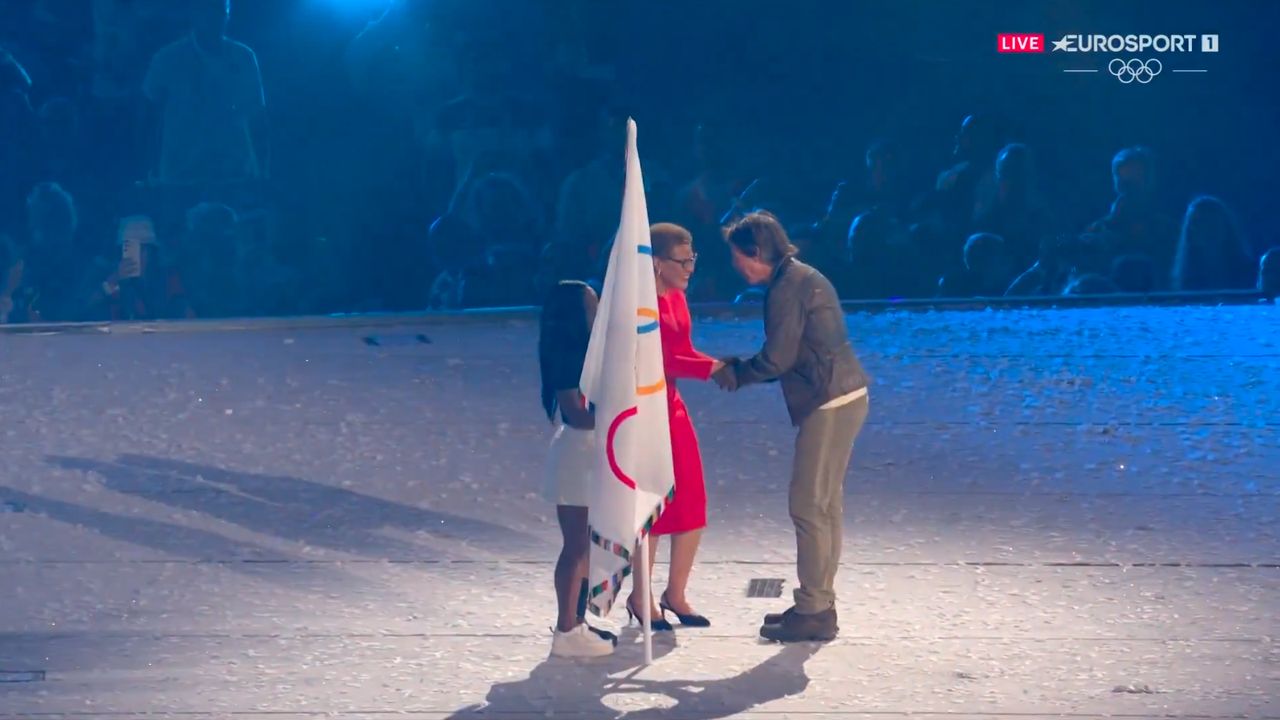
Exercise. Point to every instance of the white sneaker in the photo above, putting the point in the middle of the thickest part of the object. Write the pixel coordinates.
(580, 642)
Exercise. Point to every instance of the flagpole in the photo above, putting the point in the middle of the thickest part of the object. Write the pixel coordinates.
(646, 588)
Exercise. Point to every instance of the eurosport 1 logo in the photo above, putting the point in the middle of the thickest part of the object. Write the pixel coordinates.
(1126, 70)
(1136, 43)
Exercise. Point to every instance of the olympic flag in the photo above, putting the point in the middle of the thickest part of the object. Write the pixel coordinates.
(623, 377)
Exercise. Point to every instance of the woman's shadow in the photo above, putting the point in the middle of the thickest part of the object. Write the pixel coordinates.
(578, 687)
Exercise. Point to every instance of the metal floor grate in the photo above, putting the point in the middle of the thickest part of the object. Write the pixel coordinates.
(394, 340)
(764, 588)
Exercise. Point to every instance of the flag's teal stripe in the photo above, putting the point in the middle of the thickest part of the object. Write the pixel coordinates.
(645, 249)
(647, 328)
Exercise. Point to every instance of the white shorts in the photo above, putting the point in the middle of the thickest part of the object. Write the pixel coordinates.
(570, 464)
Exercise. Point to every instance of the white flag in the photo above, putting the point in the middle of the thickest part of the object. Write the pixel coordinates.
(623, 377)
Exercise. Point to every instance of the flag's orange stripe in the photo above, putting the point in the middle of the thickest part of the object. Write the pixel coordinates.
(652, 389)
(650, 314)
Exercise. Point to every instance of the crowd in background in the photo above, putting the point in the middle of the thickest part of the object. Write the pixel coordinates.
(138, 181)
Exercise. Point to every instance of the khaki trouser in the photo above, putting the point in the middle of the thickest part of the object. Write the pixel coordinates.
(823, 448)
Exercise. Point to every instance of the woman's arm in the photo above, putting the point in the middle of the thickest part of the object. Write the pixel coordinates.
(686, 362)
(679, 358)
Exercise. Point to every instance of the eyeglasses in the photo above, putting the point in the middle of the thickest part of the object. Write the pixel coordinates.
(685, 263)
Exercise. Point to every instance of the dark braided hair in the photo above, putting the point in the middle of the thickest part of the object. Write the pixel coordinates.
(563, 335)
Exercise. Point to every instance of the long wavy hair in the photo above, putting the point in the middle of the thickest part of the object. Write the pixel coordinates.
(1212, 252)
(563, 334)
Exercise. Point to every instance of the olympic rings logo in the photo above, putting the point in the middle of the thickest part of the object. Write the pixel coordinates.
(1135, 70)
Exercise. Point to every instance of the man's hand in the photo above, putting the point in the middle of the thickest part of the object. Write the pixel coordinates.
(725, 375)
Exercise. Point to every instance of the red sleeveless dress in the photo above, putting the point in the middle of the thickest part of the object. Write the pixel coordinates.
(688, 511)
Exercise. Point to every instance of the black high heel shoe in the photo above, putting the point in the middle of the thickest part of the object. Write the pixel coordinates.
(690, 620)
(657, 624)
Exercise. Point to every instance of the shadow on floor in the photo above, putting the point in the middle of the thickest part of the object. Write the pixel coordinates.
(302, 511)
(578, 688)
(185, 542)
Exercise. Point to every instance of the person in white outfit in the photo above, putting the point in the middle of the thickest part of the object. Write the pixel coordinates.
(565, 329)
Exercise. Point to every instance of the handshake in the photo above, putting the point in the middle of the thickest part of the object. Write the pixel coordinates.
(726, 376)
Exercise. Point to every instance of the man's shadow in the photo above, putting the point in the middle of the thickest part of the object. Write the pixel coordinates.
(299, 510)
(578, 687)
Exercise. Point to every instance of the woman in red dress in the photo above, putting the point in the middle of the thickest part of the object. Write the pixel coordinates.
(686, 516)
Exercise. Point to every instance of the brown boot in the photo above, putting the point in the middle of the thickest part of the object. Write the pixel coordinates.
(820, 627)
(777, 618)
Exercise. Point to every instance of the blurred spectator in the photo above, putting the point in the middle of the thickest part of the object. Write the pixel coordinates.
(1133, 173)
(508, 227)
(879, 260)
(500, 210)
(209, 256)
(1135, 226)
(52, 218)
(970, 182)
(886, 178)
(711, 191)
(143, 285)
(486, 248)
(49, 278)
(208, 91)
(1017, 213)
(883, 189)
(1212, 252)
(1269, 273)
(988, 269)
(224, 274)
(1062, 259)
(935, 256)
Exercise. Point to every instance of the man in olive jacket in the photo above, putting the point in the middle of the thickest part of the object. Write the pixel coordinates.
(807, 349)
